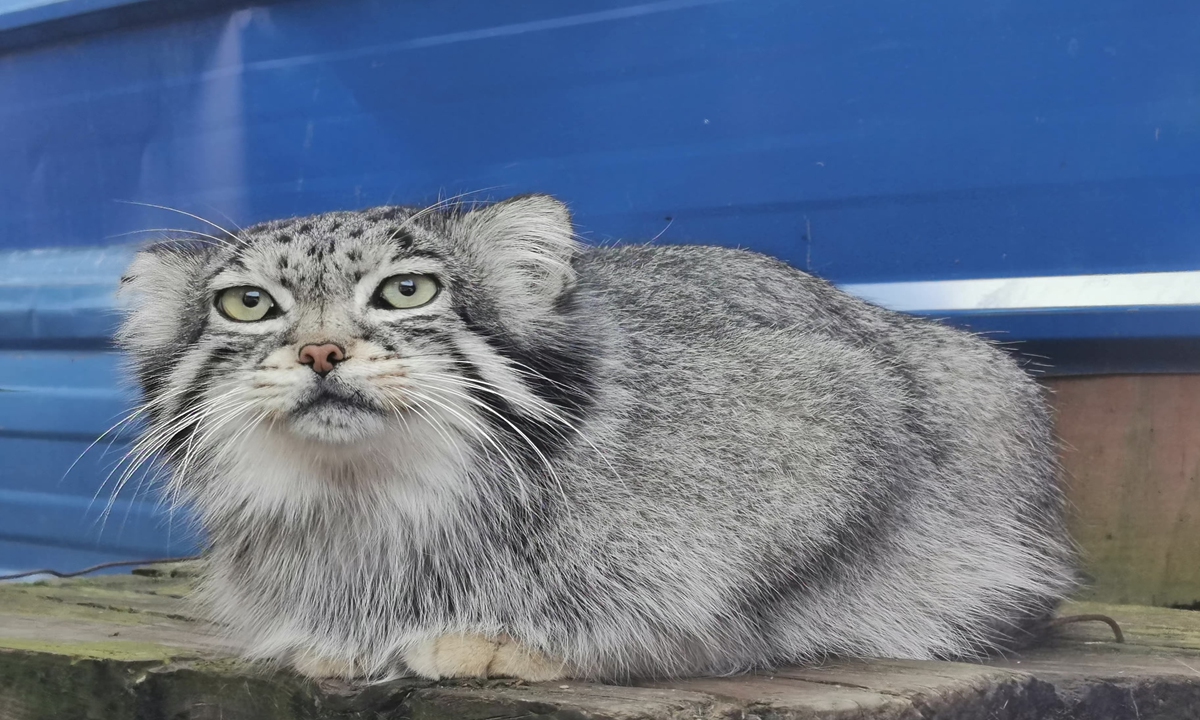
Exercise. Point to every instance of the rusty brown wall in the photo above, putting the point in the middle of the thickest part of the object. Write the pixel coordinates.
(1132, 460)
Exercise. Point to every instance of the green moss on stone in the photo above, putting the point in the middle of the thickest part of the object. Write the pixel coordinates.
(120, 651)
(40, 686)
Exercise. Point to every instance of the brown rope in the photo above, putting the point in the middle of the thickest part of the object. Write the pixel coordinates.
(1068, 619)
(94, 568)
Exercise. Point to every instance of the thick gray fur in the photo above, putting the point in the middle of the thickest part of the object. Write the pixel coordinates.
(639, 460)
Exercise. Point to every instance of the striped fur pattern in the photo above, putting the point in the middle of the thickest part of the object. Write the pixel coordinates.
(629, 461)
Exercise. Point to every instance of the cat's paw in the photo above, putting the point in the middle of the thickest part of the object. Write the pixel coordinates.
(323, 668)
(467, 655)
(515, 660)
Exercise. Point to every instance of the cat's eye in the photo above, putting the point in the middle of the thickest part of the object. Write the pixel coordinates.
(245, 304)
(407, 291)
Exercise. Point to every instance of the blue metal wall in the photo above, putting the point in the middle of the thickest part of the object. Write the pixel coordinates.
(868, 141)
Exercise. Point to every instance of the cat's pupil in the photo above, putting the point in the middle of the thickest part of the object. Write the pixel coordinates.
(251, 299)
(407, 287)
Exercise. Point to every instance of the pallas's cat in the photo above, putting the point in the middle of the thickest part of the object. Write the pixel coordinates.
(456, 442)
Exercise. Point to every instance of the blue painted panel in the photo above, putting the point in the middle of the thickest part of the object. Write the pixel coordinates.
(23, 13)
(868, 141)
(58, 487)
(60, 297)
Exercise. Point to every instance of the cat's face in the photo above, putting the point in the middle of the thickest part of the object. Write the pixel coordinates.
(338, 329)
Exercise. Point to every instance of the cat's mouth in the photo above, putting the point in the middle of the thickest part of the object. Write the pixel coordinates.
(332, 396)
(337, 413)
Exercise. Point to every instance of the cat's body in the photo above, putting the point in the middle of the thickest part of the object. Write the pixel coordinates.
(697, 460)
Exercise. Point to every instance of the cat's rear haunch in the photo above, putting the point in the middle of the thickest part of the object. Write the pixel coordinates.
(457, 442)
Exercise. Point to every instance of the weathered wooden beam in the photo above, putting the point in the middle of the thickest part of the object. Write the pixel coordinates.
(129, 647)
(1131, 455)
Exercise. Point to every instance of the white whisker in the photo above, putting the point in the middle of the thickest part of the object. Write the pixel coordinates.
(553, 475)
(206, 221)
(214, 238)
(480, 431)
(539, 407)
(441, 204)
(149, 447)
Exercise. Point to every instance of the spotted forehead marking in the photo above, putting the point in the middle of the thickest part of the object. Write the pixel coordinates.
(332, 252)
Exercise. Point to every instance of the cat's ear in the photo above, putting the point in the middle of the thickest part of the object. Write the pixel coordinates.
(160, 293)
(525, 246)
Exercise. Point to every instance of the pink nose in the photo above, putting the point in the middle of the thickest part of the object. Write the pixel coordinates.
(321, 358)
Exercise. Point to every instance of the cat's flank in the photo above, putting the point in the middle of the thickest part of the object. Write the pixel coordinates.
(456, 442)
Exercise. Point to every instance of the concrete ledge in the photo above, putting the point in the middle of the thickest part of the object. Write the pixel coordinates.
(128, 647)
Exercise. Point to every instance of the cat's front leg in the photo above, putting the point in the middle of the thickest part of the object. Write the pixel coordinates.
(470, 655)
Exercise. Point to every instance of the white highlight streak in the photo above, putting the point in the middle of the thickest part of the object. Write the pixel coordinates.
(1035, 293)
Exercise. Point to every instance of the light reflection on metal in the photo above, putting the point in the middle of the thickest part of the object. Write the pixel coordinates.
(1035, 293)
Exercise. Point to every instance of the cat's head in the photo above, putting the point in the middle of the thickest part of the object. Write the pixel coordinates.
(341, 328)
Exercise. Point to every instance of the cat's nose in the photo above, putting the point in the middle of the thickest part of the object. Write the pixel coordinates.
(322, 358)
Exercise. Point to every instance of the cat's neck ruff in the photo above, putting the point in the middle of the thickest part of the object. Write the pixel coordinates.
(417, 471)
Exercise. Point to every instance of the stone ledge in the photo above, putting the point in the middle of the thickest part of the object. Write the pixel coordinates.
(128, 647)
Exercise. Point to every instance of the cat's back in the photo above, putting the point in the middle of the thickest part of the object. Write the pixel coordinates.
(744, 362)
(696, 316)
(709, 292)
(687, 288)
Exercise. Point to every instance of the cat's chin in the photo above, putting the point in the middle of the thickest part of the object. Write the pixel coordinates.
(336, 425)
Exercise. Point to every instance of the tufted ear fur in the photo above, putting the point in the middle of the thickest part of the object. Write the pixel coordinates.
(159, 293)
(524, 247)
